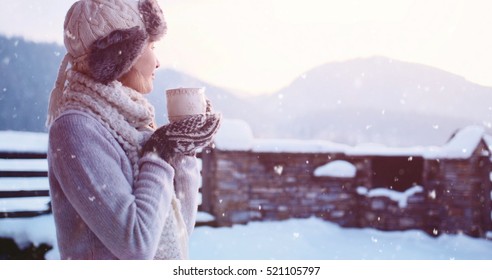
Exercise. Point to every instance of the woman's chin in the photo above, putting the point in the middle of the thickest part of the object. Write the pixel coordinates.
(145, 89)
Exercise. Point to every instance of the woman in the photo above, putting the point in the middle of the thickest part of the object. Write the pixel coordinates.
(120, 188)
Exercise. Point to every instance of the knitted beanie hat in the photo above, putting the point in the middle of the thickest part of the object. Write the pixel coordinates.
(104, 38)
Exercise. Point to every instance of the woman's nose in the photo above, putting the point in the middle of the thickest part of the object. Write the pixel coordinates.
(157, 63)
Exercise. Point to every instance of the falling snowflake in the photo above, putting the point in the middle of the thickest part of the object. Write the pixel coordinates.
(432, 194)
(278, 169)
(70, 35)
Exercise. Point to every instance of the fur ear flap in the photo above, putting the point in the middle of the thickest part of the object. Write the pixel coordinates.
(153, 19)
(112, 56)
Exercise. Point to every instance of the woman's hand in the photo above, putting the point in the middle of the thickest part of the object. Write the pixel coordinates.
(184, 136)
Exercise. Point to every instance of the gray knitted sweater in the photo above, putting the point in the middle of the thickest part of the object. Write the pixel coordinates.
(100, 211)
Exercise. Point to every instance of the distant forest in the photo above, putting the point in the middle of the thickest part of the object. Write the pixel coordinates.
(27, 73)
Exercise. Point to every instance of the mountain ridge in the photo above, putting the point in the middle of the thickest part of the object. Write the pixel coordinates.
(372, 88)
(359, 100)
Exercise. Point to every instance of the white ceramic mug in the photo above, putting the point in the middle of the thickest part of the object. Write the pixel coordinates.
(185, 102)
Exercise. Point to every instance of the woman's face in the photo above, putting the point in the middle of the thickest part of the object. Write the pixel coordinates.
(141, 75)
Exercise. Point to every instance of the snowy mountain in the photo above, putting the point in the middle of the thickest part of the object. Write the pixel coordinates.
(373, 99)
(376, 99)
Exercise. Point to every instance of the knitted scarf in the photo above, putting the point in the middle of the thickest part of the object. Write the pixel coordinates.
(122, 110)
(129, 117)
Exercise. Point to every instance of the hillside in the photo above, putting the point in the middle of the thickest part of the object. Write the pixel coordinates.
(28, 71)
(374, 99)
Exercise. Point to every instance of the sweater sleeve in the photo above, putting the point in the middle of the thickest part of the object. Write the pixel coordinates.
(186, 183)
(87, 163)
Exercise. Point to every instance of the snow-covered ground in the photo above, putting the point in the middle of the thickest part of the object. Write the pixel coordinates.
(296, 239)
(316, 239)
(291, 239)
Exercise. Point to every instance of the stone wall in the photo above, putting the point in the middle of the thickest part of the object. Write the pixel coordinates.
(463, 193)
(243, 186)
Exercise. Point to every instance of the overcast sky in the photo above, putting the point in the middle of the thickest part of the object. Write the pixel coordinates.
(259, 46)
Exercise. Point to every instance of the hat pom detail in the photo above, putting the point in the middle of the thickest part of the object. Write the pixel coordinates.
(153, 19)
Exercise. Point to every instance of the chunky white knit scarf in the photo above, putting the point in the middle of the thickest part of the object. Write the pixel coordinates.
(130, 119)
(122, 110)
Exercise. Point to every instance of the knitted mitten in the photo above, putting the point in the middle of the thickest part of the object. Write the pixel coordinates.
(184, 136)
